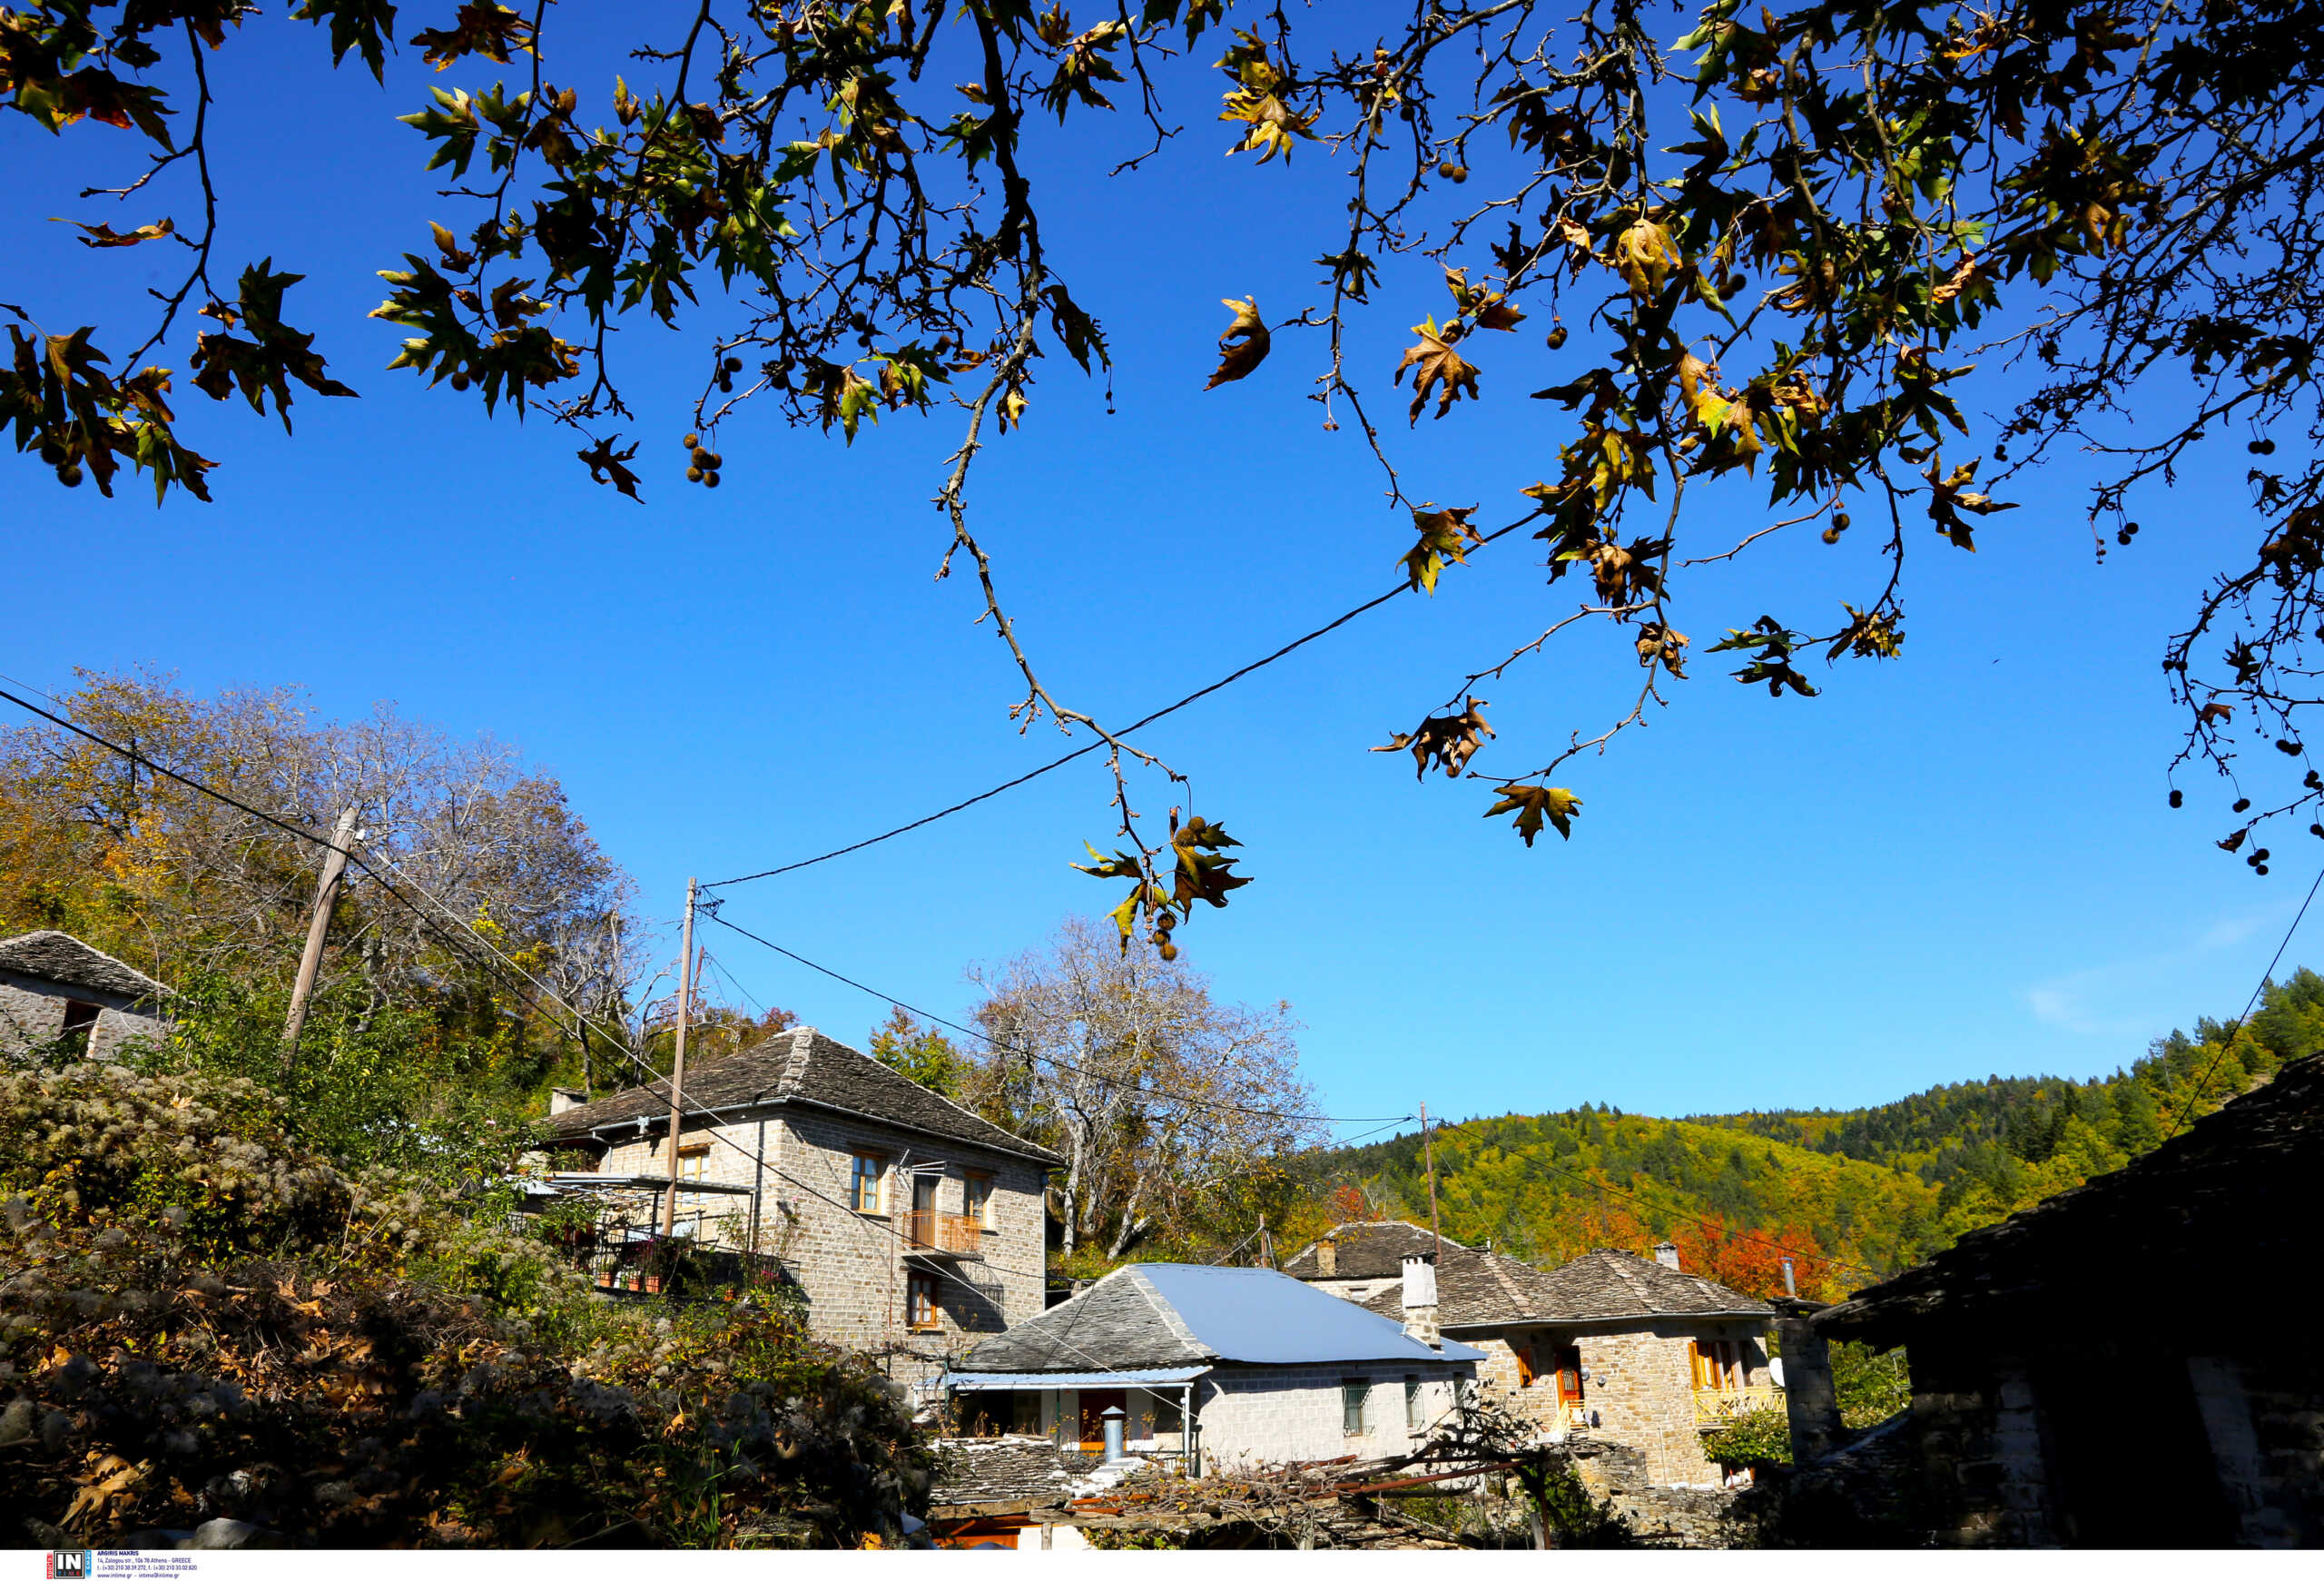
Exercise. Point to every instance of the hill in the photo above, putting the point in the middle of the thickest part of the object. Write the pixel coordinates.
(1849, 1195)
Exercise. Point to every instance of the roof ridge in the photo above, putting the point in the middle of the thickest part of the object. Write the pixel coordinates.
(1165, 1312)
(84, 945)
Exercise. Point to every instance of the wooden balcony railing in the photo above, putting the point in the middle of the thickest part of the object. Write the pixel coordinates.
(926, 1230)
(1715, 1408)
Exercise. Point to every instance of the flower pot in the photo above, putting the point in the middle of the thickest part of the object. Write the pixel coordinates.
(653, 1284)
(605, 1279)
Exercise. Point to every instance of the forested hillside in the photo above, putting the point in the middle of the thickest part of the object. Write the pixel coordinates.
(1847, 1194)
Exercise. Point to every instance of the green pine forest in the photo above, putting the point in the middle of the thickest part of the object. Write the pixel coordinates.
(1849, 1194)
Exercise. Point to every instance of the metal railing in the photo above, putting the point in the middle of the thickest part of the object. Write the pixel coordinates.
(1715, 1408)
(951, 1234)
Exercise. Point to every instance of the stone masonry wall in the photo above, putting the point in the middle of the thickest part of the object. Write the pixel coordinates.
(32, 1014)
(852, 1266)
(1250, 1415)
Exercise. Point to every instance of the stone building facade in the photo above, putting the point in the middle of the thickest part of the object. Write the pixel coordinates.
(59, 994)
(910, 1226)
(2034, 1425)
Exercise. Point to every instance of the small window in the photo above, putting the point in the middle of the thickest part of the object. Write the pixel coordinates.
(1415, 1418)
(694, 1161)
(1717, 1364)
(1355, 1394)
(80, 1021)
(1527, 1372)
(923, 1300)
(864, 1184)
(976, 1200)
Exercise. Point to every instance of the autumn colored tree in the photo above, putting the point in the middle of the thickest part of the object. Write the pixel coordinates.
(1812, 239)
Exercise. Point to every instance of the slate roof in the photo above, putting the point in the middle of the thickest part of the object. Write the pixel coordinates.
(1013, 1469)
(1483, 1290)
(1367, 1249)
(60, 958)
(1174, 1314)
(803, 1067)
(2204, 1222)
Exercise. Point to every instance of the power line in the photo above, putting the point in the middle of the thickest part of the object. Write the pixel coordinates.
(2195, 1093)
(1006, 1048)
(1079, 752)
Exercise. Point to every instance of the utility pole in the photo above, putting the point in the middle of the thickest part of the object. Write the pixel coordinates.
(317, 925)
(678, 1065)
(1428, 1146)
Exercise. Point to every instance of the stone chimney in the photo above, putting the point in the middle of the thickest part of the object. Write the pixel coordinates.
(1665, 1254)
(1420, 1302)
(1327, 1258)
(561, 1099)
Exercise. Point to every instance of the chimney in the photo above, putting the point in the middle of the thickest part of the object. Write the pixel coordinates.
(1327, 1258)
(1665, 1254)
(1420, 1302)
(561, 1099)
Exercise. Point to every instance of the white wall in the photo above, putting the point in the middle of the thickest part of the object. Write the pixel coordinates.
(1253, 1414)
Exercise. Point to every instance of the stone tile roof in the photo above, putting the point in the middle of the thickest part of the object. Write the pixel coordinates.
(1486, 1289)
(1367, 1249)
(803, 1067)
(2200, 1221)
(1151, 1315)
(1010, 1470)
(60, 958)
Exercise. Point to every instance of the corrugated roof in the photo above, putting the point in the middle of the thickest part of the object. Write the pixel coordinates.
(802, 1066)
(1170, 1314)
(1127, 1378)
(60, 958)
(1366, 1250)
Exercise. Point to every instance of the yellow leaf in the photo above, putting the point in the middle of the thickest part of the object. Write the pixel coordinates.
(1244, 346)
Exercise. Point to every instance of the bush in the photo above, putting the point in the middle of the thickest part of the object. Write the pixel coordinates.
(1755, 1438)
(200, 1319)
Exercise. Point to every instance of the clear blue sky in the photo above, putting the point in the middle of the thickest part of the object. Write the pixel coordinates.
(1951, 866)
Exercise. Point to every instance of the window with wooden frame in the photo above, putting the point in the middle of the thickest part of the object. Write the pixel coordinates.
(1523, 1349)
(976, 1198)
(1355, 1396)
(1566, 1361)
(694, 1162)
(866, 1183)
(1717, 1364)
(1416, 1416)
(922, 1310)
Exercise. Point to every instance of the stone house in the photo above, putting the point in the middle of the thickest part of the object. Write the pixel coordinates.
(1357, 1260)
(909, 1225)
(57, 991)
(1218, 1366)
(1613, 1345)
(2125, 1365)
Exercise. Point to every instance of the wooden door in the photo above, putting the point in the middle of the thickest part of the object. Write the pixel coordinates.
(1095, 1403)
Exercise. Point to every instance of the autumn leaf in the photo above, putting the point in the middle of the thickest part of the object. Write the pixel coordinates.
(1445, 538)
(1244, 344)
(485, 29)
(2214, 713)
(1202, 873)
(1449, 740)
(102, 234)
(1534, 804)
(604, 464)
(1963, 276)
(1645, 256)
(1951, 495)
(1442, 368)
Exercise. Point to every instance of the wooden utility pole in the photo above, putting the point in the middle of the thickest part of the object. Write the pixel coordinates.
(317, 925)
(678, 1065)
(1428, 1146)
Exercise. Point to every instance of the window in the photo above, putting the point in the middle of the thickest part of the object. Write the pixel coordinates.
(1717, 1363)
(923, 1288)
(1355, 1394)
(80, 1021)
(692, 1160)
(1528, 1371)
(864, 1184)
(976, 1200)
(1414, 1418)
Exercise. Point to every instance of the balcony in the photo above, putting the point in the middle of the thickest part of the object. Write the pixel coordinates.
(1716, 1408)
(929, 1233)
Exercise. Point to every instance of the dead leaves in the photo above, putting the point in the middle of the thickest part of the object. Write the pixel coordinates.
(108, 1480)
(102, 234)
(1271, 126)
(1448, 740)
(1442, 368)
(1244, 346)
(1535, 804)
(1444, 539)
(1198, 873)
(1644, 256)
(1772, 665)
(1950, 495)
(491, 31)
(604, 464)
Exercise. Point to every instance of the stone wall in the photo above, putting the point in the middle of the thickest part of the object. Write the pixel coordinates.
(32, 1012)
(852, 1266)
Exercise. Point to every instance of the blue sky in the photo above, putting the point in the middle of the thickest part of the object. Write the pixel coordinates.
(1951, 866)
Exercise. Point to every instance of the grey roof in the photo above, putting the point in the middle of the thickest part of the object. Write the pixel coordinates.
(60, 958)
(1014, 1469)
(1367, 1249)
(801, 1067)
(1479, 1290)
(1173, 1314)
(2201, 1220)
